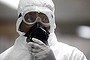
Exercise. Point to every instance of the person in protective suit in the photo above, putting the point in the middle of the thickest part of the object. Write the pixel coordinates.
(37, 40)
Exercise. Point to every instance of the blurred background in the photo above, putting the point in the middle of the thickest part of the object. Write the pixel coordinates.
(72, 20)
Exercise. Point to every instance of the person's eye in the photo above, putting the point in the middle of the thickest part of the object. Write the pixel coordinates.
(45, 20)
(30, 20)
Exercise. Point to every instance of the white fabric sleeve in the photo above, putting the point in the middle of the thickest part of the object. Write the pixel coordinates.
(77, 55)
(13, 54)
(3, 55)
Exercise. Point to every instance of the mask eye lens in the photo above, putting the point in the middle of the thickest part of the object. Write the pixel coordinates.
(30, 17)
(44, 18)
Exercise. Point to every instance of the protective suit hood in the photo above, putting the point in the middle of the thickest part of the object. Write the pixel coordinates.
(44, 6)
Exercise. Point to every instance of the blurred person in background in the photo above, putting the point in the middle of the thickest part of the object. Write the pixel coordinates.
(37, 40)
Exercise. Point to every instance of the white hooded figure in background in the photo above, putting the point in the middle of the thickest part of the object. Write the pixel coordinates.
(38, 16)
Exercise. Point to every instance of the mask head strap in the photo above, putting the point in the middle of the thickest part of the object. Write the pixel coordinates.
(19, 15)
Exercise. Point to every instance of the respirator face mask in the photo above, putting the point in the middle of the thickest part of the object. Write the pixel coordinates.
(39, 30)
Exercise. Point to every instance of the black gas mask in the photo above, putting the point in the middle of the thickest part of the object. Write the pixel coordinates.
(38, 31)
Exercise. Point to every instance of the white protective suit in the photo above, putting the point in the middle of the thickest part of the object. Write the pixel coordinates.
(19, 51)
